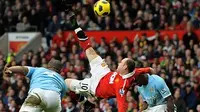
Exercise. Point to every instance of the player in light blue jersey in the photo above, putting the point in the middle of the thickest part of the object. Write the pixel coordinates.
(47, 87)
(155, 94)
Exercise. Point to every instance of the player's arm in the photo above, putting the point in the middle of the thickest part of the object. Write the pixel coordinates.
(145, 70)
(18, 69)
(14, 69)
(166, 94)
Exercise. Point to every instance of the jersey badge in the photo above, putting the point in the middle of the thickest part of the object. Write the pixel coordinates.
(121, 92)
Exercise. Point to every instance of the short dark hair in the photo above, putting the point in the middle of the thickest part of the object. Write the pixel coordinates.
(55, 64)
(131, 65)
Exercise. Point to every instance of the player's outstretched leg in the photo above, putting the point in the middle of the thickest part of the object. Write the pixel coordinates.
(83, 39)
(77, 86)
(93, 57)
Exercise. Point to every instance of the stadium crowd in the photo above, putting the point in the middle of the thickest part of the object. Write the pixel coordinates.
(176, 61)
(20, 15)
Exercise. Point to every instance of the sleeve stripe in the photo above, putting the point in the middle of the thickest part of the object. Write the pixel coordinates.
(28, 70)
(167, 95)
(77, 30)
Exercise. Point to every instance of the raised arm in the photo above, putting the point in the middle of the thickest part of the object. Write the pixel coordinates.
(145, 70)
(15, 69)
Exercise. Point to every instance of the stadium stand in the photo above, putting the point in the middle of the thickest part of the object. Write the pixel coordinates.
(176, 61)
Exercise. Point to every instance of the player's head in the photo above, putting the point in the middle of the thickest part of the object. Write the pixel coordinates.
(126, 66)
(142, 79)
(55, 65)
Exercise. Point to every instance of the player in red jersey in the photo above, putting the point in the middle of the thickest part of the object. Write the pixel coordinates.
(104, 83)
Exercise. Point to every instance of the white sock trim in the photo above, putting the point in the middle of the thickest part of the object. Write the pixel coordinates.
(77, 30)
(83, 39)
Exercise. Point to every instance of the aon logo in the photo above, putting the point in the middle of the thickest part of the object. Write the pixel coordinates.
(112, 78)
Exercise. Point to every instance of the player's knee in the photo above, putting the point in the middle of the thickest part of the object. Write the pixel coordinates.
(68, 82)
(72, 84)
(33, 100)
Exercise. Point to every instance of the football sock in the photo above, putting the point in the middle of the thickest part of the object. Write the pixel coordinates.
(83, 39)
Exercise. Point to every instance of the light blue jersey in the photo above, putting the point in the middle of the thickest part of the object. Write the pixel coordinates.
(46, 79)
(155, 92)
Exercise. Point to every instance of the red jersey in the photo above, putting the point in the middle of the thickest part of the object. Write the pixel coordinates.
(115, 85)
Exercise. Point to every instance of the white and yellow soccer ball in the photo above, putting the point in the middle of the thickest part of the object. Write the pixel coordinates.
(102, 8)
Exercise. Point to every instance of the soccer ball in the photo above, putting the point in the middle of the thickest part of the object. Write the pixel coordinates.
(102, 8)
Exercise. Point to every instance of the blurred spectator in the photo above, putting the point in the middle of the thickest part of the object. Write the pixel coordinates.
(2, 107)
(9, 19)
(12, 106)
(198, 108)
(10, 56)
(58, 38)
(52, 29)
(197, 89)
(24, 25)
(179, 102)
(190, 38)
(2, 29)
(183, 23)
(33, 18)
(147, 15)
(190, 97)
(20, 98)
(196, 20)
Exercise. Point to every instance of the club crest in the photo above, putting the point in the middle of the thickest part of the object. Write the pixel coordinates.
(121, 92)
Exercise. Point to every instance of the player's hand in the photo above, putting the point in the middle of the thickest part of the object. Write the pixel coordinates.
(88, 106)
(6, 71)
(152, 71)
